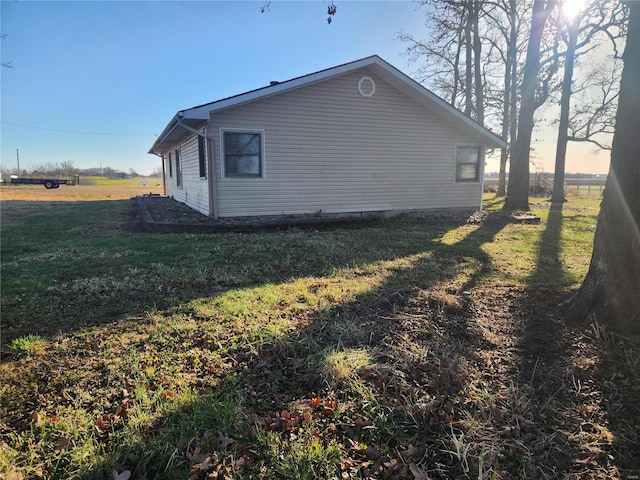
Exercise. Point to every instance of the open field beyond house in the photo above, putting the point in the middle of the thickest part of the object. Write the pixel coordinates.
(400, 350)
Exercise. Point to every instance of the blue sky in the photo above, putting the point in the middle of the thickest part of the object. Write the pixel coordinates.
(111, 68)
(93, 82)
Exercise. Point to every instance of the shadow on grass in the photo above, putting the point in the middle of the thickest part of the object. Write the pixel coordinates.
(73, 265)
(395, 360)
(409, 364)
(572, 428)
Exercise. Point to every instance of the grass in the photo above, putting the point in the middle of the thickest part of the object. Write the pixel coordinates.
(29, 344)
(377, 352)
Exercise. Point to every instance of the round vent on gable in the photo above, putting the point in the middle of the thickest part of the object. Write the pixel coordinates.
(366, 87)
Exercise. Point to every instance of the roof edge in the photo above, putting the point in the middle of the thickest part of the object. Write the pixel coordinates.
(381, 67)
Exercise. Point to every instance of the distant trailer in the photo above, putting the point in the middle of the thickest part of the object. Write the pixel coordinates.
(47, 182)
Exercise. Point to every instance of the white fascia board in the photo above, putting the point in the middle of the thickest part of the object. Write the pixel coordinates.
(165, 133)
(378, 66)
(204, 111)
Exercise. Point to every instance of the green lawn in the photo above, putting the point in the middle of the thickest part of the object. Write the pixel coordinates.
(339, 353)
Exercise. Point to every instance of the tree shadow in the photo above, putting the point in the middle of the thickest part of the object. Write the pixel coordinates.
(98, 269)
(433, 372)
(558, 370)
(415, 331)
(542, 297)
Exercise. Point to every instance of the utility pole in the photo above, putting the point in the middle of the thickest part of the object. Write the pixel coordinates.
(18, 159)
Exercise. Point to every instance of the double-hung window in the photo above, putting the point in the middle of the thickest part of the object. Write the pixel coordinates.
(468, 160)
(243, 153)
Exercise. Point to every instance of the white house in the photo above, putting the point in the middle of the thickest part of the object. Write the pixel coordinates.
(359, 137)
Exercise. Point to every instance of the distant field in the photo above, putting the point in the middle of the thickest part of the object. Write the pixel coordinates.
(99, 189)
(574, 187)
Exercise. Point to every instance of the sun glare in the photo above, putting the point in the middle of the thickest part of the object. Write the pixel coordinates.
(571, 8)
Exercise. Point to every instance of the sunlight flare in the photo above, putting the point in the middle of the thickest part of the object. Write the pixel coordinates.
(570, 9)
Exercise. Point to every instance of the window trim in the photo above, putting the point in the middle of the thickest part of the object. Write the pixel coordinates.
(263, 163)
(202, 154)
(178, 168)
(479, 164)
(170, 166)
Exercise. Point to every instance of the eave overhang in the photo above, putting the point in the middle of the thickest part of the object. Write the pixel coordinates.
(176, 131)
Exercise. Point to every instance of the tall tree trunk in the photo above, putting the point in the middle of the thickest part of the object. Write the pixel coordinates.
(518, 190)
(611, 289)
(477, 67)
(509, 117)
(468, 80)
(456, 72)
(557, 195)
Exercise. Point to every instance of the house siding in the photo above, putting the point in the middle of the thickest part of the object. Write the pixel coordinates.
(328, 149)
(194, 191)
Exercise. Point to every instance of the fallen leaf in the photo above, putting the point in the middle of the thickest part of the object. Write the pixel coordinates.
(363, 423)
(417, 472)
(126, 475)
(306, 417)
(225, 441)
(37, 420)
(409, 452)
(373, 453)
(101, 424)
(62, 445)
(121, 411)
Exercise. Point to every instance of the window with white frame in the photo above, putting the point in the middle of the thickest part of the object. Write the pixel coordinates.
(468, 160)
(243, 153)
(170, 167)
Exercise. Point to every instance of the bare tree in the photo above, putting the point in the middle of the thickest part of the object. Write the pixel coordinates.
(505, 18)
(596, 18)
(518, 190)
(454, 50)
(592, 119)
(610, 292)
(565, 100)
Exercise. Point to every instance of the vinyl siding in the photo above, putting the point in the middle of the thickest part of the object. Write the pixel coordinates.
(330, 150)
(194, 191)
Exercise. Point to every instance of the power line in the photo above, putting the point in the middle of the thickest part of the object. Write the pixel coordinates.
(78, 132)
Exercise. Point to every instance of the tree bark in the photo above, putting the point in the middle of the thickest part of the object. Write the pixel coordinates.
(518, 189)
(477, 68)
(611, 289)
(557, 196)
(509, 113)
(468, 77)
